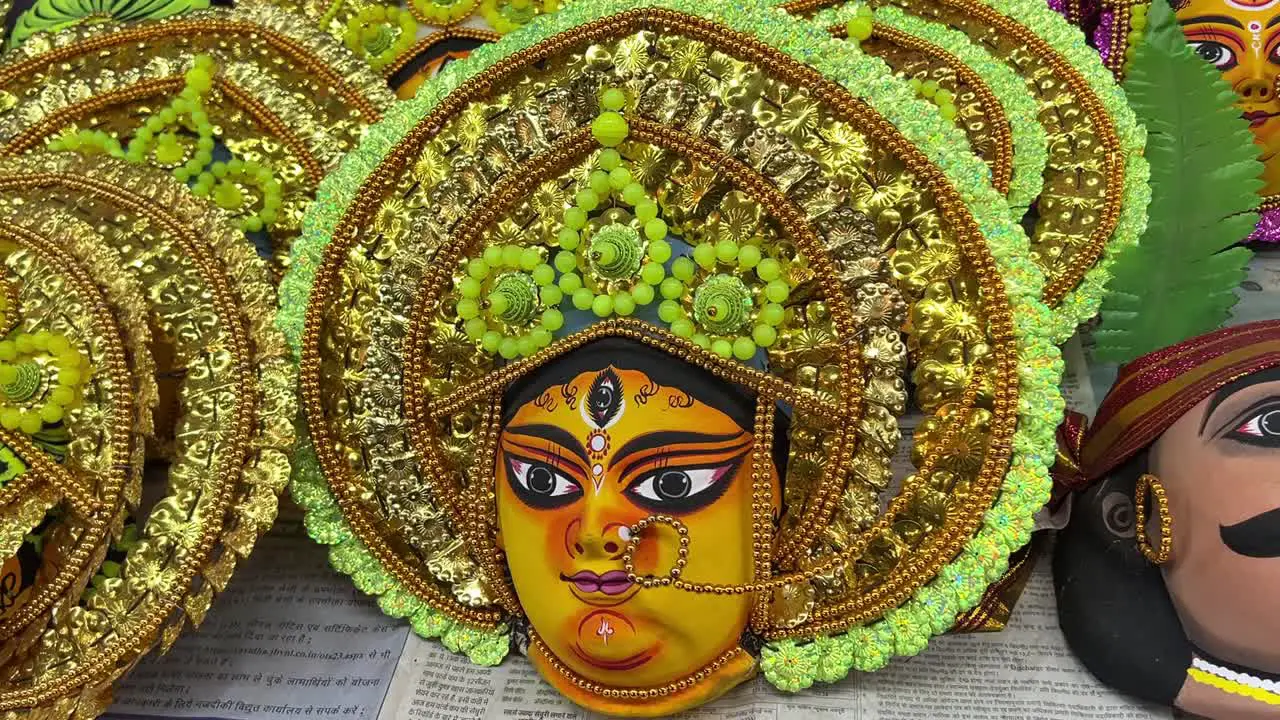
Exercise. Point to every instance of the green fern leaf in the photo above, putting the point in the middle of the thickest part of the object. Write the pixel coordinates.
(1179, 280)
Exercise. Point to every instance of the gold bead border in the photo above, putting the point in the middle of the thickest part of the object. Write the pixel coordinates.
(1001, 131)
(383, 178)
(101, 662)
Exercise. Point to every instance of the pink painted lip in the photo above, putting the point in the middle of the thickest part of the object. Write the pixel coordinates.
(1257, 117)
(614, 582)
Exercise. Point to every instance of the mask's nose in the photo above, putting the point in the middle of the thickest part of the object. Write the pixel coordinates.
(1256, 89)
(602, 543)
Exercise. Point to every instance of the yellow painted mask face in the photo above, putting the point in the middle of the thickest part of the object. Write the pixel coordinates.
(1242, 39)
(577, 466)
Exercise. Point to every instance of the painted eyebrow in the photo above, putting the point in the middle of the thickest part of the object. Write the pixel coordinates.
(1275, 19)
(663, 438)
(1220, 19)
(553, 434)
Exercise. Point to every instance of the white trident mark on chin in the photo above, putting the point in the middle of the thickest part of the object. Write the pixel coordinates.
(604, 631)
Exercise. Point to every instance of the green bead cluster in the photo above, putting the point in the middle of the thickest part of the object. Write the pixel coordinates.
(943, 98)
(507, 301)
(444, 12)
(1137, 31)
(379, 34)
(224, 183)
(727, 297)
(507, 15)
(615, 268)
(158, 137)
(860, 25)
(41, 377)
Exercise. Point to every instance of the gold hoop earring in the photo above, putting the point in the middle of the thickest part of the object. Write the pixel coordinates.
(1148, 482)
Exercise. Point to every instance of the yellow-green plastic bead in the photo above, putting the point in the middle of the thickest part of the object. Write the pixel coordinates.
(24, 343)
(619, 178)
(646, 210)
(772, 314)
(550, 295)
(530, 258)
(51, 413)
(510, 256)
(8, 351)
(469, 308)
(682, 327)
(469, 287)
(701, 340)
(508, 348)
(58, 345)
(705, 255)
(478, 269)
(570, 283)
(575, 218)
(722, 347)
(544, 274)
(613, 99)
(633, 194)
(608, 160)
(602, 306)
(743, 348)
(599, 183)
(764, 335)
(859, 28)
(587, 199)
(10, 418)
(566, 261)
(491, 341)
(582, 298)
(943, 96)
(683, 268)
(568, 238)
(642, 294)
(652, 274)
(541, 337)
(659, 251)
(552, 319)
(624, 304)
(63, 396)
(30, 423)
(947, 111)
(655, 229)
(748, 256)
(726, 251)
(475, 328)
(609, 128)
(672, 288)
(769, 269)
(777, 291)
(929, 88)
(8, 374)
(69, 376)
(526, 346)
(668, 311)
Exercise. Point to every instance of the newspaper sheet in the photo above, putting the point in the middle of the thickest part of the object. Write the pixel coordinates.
(1025, 671)
(290, 638)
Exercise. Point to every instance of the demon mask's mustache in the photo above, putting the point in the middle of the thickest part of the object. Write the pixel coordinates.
(1257, 537)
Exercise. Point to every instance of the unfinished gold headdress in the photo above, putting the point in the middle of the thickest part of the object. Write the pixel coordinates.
(1082, 170)
(605, 338)
(249, 106)
(138, 349)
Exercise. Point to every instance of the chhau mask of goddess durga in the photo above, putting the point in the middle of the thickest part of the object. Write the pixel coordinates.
(602, 360)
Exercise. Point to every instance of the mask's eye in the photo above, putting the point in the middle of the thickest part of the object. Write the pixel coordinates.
(681, 489)
(1261, 428)
(540, 485)
(1219, 55)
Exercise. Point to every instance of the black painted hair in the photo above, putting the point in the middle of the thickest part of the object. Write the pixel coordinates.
(735, 401)
(1113, 606)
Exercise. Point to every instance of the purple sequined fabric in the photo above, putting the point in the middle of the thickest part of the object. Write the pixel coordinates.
(1268, 229)
(1102, 35)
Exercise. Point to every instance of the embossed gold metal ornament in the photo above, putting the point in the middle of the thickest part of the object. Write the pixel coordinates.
(1094, 195)
(156, 314)
(263, 85)
(661, 205)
